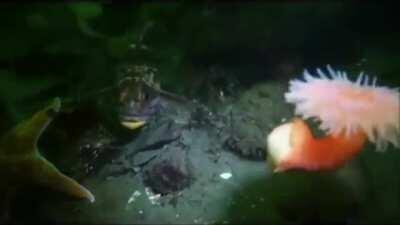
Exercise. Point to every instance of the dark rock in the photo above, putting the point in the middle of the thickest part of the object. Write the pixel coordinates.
(242, 136)
(246, 148)
(159, 132)
(169, 173)
(97, 147)
(142, 158)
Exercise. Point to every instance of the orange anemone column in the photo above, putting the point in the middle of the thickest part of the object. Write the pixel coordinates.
(292, 146)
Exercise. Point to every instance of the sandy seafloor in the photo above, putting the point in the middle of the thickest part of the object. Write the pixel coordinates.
(222, 186)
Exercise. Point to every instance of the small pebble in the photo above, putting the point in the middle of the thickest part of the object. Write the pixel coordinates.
(226, 175)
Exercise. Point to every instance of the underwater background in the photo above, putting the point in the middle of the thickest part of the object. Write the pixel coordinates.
(211, 81)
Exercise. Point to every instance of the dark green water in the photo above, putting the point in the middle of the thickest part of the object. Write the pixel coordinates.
(247, 51)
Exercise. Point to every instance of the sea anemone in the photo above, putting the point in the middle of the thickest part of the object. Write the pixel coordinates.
(349, 112)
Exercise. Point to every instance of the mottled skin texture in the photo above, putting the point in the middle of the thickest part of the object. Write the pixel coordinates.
(21, 164)
(140, 97)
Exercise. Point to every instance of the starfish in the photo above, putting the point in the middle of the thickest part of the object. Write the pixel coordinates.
(21, 163)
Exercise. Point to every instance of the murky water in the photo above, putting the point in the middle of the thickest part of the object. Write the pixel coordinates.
(165, 109)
